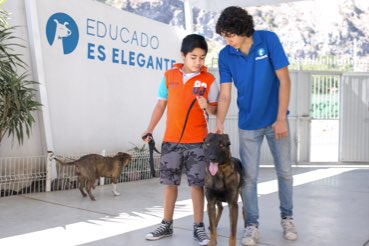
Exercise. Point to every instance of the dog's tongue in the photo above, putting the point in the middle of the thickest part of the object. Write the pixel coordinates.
(213, 168)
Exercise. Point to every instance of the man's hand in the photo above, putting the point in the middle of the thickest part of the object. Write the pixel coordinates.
(280, 129)
(219, 128)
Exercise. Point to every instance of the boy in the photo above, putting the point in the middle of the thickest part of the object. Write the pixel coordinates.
(186, 126)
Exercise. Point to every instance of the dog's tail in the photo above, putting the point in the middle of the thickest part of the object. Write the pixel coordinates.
(53, 157)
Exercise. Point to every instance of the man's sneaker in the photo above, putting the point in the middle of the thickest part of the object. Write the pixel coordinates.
(289, 228)
(250, 236)
(165, 229)
(199, 234)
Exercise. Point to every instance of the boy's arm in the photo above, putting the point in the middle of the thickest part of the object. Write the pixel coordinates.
(211, 109)
(204, 104)
(210, 104)
(156, 116)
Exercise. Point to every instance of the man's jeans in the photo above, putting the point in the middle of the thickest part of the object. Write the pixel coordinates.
(250, 145)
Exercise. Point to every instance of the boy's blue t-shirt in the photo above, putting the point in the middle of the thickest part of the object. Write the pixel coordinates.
(255, 79)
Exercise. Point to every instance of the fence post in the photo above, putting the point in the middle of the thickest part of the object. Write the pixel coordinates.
(102, 179)
(48, 170)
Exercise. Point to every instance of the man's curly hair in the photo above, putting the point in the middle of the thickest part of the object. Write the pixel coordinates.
(235, 20)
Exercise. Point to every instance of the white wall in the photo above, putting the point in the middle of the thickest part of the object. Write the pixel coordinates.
(95, 98)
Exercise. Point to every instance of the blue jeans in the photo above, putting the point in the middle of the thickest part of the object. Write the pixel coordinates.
(250, 145)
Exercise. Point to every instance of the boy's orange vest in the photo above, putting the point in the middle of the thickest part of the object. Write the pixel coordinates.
(180, 97)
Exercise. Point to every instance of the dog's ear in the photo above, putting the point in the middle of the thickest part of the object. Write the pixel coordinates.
(226, 139)
(208, 136)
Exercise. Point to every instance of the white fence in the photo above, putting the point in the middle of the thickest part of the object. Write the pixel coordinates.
(23, 175)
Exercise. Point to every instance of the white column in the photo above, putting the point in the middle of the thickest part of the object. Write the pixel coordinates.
(39, 75)
(188, 16)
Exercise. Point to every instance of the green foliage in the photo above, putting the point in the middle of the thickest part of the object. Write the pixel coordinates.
(325, 109)
(325, 96)
(137, 149)
(323, 63)
(17, 94)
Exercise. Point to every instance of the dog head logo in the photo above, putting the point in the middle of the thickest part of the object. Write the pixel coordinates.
(261, 52)
(199, 88)
(62, 32)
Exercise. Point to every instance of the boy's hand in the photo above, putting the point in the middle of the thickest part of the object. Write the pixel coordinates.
(203, 103)
(147, 136)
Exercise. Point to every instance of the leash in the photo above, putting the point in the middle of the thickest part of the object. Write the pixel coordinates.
(185, 122)
(196, 92)
(152, 148)
(151, 143)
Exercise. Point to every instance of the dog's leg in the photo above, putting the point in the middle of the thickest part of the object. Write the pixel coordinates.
(218, 213)
(243, 209)
(89, 185)
(212, 223)
(82, 183)
(95, 183)
(233, 216)
(114, 183)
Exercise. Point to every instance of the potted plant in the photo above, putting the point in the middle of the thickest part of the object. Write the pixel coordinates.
(17, 93)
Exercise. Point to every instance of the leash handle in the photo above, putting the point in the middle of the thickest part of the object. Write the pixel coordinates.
(147, 135)
(152, 148)
(151, 142)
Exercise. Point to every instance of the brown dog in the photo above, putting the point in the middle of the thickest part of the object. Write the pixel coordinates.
(223, 180)
(92, 166)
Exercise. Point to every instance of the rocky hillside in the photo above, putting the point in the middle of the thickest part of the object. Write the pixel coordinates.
(308, 29)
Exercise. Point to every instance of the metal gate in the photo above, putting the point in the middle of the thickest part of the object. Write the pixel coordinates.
(354, 130)
(325, 114)
(325, 96)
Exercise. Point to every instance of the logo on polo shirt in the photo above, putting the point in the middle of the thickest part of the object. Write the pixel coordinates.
(199, 88)
(261, 54)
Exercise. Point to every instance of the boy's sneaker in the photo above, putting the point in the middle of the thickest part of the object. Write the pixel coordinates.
(165, 229)
(250, 236)
(199, 234)
(289, 228)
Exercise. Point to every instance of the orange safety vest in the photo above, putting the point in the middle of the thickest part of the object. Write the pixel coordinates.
(180, 96)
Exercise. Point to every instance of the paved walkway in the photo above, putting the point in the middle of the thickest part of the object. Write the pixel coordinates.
(331, 209)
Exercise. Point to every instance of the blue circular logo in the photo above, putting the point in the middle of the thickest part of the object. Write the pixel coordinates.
(261, 51)
(62, 32)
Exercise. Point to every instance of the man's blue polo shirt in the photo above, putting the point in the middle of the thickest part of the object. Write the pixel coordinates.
(255, 79)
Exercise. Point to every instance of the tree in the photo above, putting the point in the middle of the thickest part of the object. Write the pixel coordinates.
(17, 93)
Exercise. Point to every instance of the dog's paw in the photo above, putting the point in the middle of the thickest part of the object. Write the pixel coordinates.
(212, 243)
(115, 193)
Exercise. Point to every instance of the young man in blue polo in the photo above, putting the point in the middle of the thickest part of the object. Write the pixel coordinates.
(257, 64)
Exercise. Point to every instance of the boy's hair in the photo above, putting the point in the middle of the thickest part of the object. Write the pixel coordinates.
(193, 41)
(235, 20)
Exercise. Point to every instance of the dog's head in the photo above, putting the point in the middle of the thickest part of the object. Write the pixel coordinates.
(123, 157)
(217, 151)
